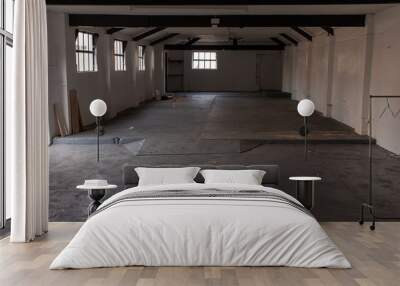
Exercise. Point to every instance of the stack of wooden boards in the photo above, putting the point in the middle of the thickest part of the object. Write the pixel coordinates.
(74, 116)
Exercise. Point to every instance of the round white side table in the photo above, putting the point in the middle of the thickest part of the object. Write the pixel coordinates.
(305, 190)
(95, 193)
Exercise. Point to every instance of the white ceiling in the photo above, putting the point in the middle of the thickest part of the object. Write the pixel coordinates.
(221, 35)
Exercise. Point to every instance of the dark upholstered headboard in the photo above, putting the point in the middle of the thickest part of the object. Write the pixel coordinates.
(271, 177)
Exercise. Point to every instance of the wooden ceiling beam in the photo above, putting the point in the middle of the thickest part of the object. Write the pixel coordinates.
(290, 39)
(303, 33)
(114, 30)
(147, 33)
(163, 39)
(329, 30)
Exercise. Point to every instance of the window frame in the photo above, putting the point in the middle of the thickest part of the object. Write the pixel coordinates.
(120, 56)
(199, 63)
(6, 39)
(141, 58)
(86, 52)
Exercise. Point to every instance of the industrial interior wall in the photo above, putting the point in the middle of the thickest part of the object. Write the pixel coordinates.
(236, 71)
(385, 79)
(120, 89)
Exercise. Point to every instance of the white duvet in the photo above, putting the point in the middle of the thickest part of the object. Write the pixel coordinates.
(202, 232)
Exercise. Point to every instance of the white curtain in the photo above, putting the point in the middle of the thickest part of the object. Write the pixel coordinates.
(27, 124)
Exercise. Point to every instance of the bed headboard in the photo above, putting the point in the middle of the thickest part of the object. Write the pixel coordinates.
(271, 177)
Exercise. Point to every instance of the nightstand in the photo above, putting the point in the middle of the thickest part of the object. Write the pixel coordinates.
(305, 190)
(96, 191)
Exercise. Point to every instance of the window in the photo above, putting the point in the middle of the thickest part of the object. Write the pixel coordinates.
(141, 58)
(9, 15)
(6, 66)
(204, 60)
(119, 55)
(85, 51)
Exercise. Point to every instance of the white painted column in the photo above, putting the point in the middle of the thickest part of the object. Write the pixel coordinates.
(134, 65)
(149, 72)
(159, 71)
(287, 71)
(367, 73)
(331, 62)
(107, 57)
(293, 79)
(309, 69)
(57, 56)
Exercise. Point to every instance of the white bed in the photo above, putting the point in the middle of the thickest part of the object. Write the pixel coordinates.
(201, 231)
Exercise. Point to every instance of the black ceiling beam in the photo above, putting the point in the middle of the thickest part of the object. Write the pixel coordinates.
(279, 42)
(217, 2)
(303, 33)
(289, 38)
(192, 41)
(162, 39)
(329, 30)
(114, 30)
(147, 33)
(108, 20)
(224, 47)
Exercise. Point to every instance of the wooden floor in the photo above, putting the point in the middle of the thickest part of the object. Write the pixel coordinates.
(375, 257)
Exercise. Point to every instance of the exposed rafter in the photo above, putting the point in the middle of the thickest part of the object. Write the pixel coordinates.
(216, 2)
(289, 38)
(303, 33)
(224, 47)
(147, 33)
(224, 20)
(162, 39)
(329, 30)
(279, 42)
(114, 30)
(191, 41)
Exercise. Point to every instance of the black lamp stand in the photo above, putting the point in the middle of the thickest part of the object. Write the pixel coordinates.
(98, 138)
(305, 139)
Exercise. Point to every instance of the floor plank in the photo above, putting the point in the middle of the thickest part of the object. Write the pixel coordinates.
(375, 257)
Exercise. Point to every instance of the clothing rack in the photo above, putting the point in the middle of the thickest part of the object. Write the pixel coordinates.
(370, 204)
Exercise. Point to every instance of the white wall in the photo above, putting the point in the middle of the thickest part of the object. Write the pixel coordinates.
(120, 89)
(89, 85)
(301, 63)
(159, 74)
(319, 81)
(342, 71)
(237, 71)
(331, 72)
(348, 76)
(385, 78)
(287, 69)
(58, 92)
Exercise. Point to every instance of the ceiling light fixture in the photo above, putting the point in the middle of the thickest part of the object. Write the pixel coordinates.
(215, 22)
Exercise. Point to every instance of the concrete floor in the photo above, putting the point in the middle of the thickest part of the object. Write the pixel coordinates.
(205, 128)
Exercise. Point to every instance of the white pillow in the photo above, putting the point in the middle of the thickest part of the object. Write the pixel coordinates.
(247, 177)
(165, 176)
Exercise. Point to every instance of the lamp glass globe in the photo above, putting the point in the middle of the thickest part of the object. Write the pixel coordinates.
(98, 108)
(305, 107)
